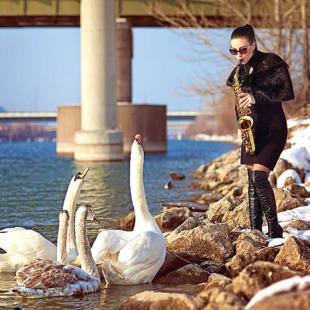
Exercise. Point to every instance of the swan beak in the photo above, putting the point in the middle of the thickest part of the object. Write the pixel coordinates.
(138, 138)
(81, 175)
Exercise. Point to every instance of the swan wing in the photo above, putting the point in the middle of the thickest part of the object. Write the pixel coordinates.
(47, 273)
(109, 242)
(43, 278)
(22, 246)
(146, 248)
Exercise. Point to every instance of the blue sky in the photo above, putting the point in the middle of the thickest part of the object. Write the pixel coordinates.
(40, 67)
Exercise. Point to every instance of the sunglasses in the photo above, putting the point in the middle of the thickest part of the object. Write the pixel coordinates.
(241, 50)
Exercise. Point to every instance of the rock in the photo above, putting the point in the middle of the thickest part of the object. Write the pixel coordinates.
(221, 299)
(240, 261)
(188, 224)
(200, 171)
(208, 198)
(286, 301)
(189, 206)
(217, 210)
(216, 280)
(298, 224)
(127, 222)
(171, 218)
(162, 300)
(171, 263)
(295, 254)
(258, 276)
(251, 241)
(207, 241)
(285, 201)
(281, 166)
(187, 274)
(298, 191)
(238, 217)
(176, 176)
(212, 266)
(196, 185)
(237, 195)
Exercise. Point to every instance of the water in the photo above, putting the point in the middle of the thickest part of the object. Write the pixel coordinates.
(33, 183)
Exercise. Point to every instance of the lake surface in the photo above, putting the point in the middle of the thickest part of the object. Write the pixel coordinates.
(33, 184)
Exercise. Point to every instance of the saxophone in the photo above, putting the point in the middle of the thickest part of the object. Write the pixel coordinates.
(245, 122)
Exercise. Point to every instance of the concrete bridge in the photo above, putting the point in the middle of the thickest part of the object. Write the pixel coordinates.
(106, 60)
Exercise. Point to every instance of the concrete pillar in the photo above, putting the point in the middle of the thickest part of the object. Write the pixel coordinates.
(99, 139)
(124, 60)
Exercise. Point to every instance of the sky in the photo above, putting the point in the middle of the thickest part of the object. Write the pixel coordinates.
(40, 67)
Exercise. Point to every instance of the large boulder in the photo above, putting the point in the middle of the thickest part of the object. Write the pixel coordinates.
(162, 301)
(207, 242)
(221, 299)
(295, 254)
(240, 261)
(171, 263)
(258, 276)
(171, 218)
(281, 166)
(298, 224)
(127, 222)
(216, 280)
(285, 200)
(190, 273)
(238, 217)
(218, 209)
(286, 301)
(298, 191)
(250, 242)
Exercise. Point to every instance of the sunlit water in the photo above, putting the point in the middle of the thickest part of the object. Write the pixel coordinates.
(33, 183)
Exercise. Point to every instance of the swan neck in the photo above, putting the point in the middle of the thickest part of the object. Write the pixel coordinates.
(137, 191)
(61, 241)
(70, 201)
(87, 262)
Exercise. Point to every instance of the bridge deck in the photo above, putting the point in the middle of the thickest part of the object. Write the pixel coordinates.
(21, 13)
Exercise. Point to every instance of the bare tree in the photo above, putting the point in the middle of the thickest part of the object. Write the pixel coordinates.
(281, 27)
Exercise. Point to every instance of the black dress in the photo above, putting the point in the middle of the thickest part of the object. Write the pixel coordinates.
(270, 83)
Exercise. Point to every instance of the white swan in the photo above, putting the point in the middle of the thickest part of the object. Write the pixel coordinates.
(132, 257)
(20, 246)
(46, 278)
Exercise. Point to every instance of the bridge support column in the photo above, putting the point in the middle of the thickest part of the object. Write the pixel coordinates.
(98, 139)
(124, 60)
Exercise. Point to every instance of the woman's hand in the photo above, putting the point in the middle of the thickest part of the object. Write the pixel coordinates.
(246, 100)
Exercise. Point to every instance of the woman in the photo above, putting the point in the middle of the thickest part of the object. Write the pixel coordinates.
(266, 83)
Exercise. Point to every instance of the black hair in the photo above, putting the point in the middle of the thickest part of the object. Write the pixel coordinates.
(245, 30)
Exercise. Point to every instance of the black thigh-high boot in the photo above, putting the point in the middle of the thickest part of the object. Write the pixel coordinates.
(255, 210)
(267, 201)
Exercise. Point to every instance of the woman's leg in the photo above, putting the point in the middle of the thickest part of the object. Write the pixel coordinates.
(255, 210)
(266, 199)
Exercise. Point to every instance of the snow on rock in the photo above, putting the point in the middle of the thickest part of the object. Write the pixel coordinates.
(286, 174)
(298, 156)
(287, 285)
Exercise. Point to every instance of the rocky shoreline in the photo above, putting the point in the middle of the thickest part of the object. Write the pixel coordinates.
(214, 261)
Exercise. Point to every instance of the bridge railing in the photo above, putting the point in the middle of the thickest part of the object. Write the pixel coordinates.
(52, 116)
